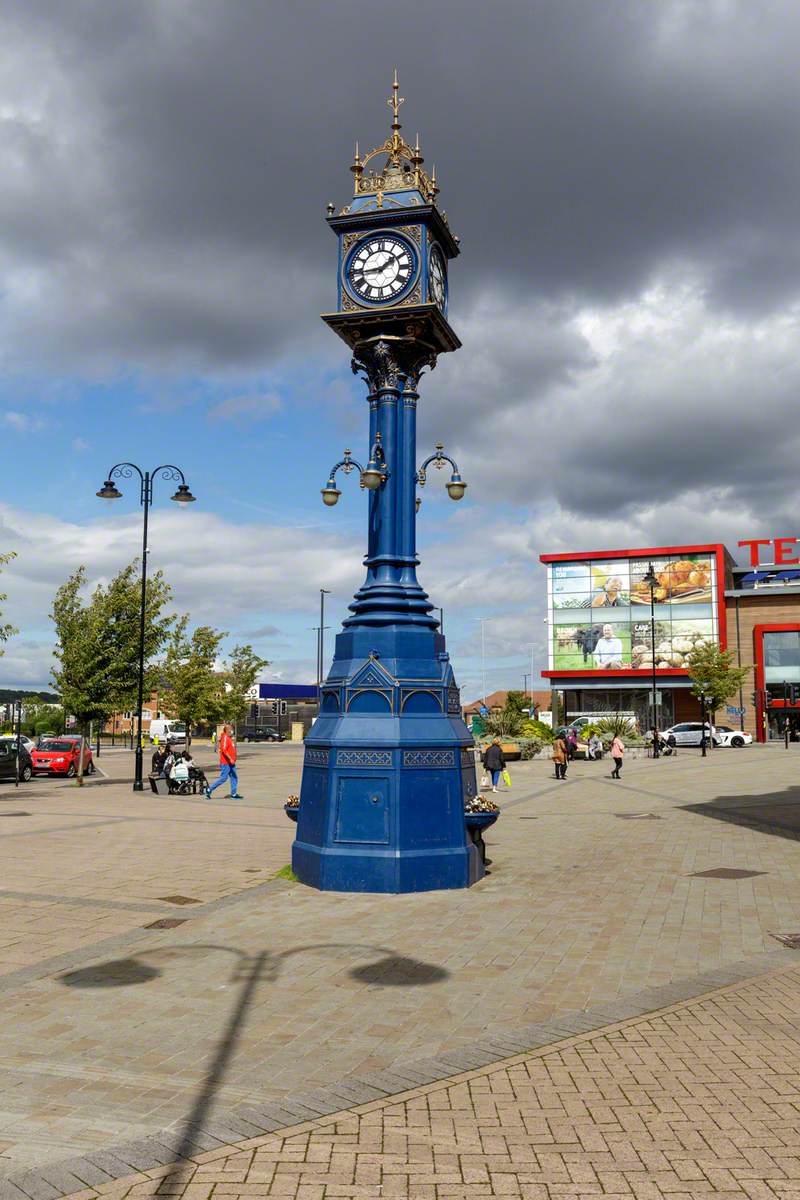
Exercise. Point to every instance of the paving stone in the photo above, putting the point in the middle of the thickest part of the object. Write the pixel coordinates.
(88, 1172)
(10, 1191)
(63, 1181)
(34, 1186)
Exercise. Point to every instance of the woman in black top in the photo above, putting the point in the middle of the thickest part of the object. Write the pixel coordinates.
(494, 761)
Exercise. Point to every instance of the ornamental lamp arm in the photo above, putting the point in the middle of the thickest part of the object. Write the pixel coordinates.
(456, 487)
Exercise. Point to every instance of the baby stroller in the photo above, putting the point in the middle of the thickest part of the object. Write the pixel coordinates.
(179, 779)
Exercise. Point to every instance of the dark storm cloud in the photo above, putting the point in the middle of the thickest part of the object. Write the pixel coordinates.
(166, 165)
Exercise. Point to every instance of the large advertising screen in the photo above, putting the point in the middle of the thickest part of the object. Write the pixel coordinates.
(599, 612)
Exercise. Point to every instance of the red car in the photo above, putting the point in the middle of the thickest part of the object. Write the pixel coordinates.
(61, 756)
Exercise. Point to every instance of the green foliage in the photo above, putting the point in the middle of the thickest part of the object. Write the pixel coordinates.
(191, 689)
(511, 719)
(241, 672)
(40, 717)
(529, 747)
(539, 730)
(713, 674)
(6, 630)
(97, 647)
(616, 726)
(286, 873)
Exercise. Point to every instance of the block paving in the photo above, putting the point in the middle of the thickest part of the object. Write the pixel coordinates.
(699, 1099)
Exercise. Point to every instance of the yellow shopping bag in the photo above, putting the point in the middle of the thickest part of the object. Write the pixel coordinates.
(507, 778)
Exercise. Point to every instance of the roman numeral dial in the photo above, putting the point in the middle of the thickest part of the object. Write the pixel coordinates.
(381, 269)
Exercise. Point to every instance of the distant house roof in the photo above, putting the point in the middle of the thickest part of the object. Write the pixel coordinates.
(498, 700)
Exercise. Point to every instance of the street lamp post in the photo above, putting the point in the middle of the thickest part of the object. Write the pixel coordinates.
(109, 491)
(323, 592)
(483, 621)
(651, 581)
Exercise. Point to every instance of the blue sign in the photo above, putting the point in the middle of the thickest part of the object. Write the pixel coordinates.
(483, 710)
(734, 712)
(287, 691)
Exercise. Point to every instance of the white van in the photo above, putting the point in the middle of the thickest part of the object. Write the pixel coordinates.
(172, 731)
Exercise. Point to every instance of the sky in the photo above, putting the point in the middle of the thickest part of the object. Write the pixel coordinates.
(624, 180)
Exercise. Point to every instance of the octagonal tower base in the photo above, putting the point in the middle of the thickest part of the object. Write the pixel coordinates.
(388, 766)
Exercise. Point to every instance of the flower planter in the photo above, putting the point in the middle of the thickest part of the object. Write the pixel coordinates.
(476, 822)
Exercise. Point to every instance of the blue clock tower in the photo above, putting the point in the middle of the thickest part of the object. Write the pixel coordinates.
(389, 761)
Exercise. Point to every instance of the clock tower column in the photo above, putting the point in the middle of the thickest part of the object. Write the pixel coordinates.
(389, 762)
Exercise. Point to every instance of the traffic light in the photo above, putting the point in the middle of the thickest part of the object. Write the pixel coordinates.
(283, 708)
(273, 706)
(793, 693)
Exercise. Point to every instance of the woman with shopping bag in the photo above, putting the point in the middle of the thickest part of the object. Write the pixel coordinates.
(494, 761)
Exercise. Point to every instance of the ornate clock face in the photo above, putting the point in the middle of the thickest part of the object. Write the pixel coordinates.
(437, 287)
(381, 269)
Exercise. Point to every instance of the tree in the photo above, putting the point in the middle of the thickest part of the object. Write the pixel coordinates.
(97, 647)
(713, 675)
(123, 601)
(6, 630)
(191, 689)
(241, 673)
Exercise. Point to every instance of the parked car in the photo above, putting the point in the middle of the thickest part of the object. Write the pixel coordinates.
(689, 733)
(725, 736)
(25, 741)
(261, 733)
(61, 756)
(8, 760)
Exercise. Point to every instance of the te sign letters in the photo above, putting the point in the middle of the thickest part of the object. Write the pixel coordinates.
(785, 550)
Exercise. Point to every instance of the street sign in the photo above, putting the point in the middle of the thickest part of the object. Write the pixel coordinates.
(734, 712)
(483, 710)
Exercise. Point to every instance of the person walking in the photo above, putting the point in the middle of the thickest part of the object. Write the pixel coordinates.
(617, 753)
(213, 737)
(560, 755)
(494, 761)
(227, 765)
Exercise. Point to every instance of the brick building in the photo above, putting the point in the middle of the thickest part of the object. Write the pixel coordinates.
(122, 724)
(763, 623)
(496, 700)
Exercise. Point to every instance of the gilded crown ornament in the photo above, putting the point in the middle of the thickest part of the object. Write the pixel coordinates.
(402, 169)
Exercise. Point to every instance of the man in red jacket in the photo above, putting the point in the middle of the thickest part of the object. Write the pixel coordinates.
(227, 765)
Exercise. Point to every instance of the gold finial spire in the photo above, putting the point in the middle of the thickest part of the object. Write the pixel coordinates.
(357, 166)
(394, 103)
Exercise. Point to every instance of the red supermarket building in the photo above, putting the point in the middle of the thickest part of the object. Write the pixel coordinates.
(600, 642)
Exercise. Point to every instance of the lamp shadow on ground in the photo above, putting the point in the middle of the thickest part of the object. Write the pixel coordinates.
(398, 971)
(776, 813)
(118, 972)
(392, 969)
